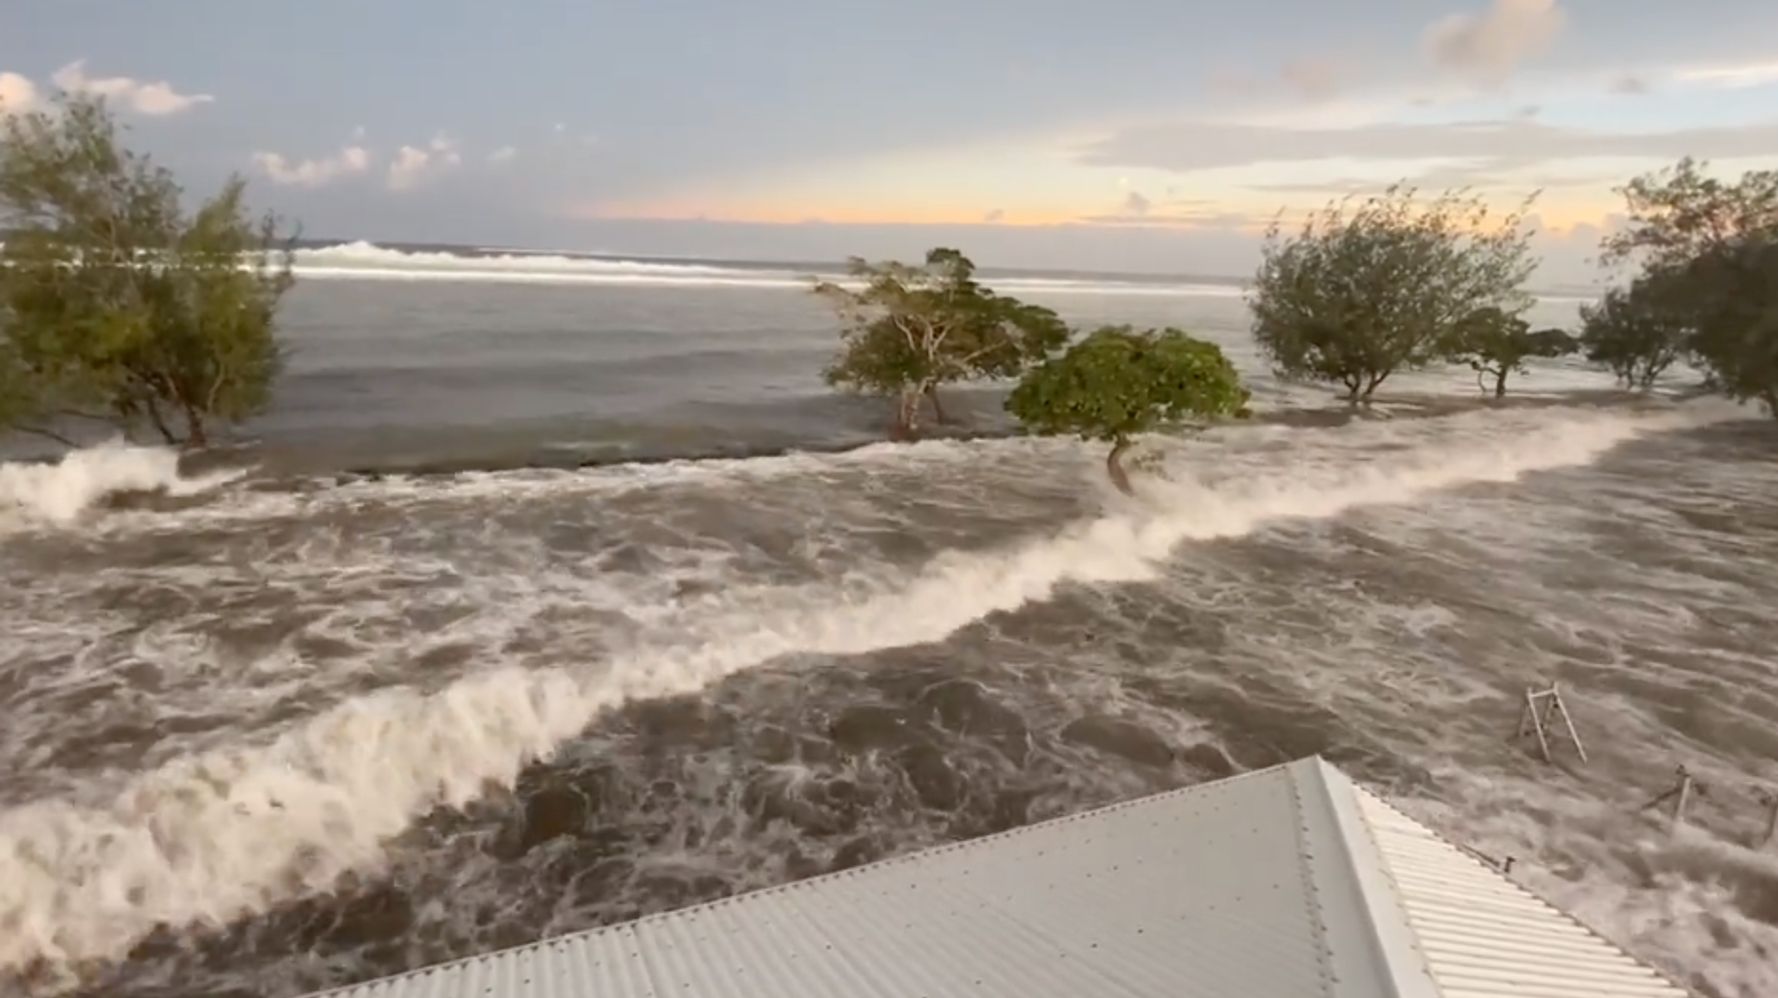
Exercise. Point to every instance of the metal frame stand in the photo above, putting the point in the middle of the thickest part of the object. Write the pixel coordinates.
(1681, 795)
(1542, 708)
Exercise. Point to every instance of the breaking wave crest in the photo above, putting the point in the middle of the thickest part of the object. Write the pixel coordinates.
(215, 836)
(59, 494)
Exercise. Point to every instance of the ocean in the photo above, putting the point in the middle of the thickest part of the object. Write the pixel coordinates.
(557, 589)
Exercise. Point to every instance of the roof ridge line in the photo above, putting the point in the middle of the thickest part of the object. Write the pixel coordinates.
(1328, 803)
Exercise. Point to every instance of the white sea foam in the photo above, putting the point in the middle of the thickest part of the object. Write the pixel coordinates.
(60, 493)
(211, 837)
(369, 262)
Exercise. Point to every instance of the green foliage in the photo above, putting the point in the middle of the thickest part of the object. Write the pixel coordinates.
(114, 302)
(1634, 333)
(1495, 345)
(910, 329)
(1677, 215)
(1729, 296)
(1117, 383)
(1363, 290)
(1708, 251)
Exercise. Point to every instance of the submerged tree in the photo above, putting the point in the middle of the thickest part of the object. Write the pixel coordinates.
(909, 330)
(1118, 383)
(1362, 291)
(1495, 345)
(117, 305)
(1634, 333)
(1708, 255)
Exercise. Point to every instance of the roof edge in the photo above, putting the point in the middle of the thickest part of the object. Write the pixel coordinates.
(1329, 810)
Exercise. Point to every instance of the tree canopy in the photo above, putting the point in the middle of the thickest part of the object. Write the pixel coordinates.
(906, 330)
(1117, 383)
(1707, 250)
(1634, 333)
(1496, 345)
(1366, 288)
(115, 303)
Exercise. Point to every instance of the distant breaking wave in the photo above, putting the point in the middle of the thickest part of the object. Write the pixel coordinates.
(365, 261)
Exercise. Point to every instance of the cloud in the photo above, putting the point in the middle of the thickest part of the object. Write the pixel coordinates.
(414, 165)
(1136, 204)
(1315, 79)
(17, 93)
(1191, 146)
(313, 172)
(1629, 83)
(993, 216)
(504, 154)
(157, 98)
(1490, 45)
(1732, 77)
(1189, 219)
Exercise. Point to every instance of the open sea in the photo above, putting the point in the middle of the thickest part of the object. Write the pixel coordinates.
(554, 590)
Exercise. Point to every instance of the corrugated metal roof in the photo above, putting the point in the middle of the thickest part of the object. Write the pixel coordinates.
(1481, 934)
(1280, 883)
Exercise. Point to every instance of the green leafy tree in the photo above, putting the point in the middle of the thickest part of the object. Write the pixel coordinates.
(1118, 383)
(117, 304)
(909, 329)
(1634, 333)
(1496, 345)
(1365, 289)
(1708, 256)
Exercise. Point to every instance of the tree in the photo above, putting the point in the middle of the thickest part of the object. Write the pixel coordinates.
(910, 329)
(1731, 295)
(1117, 383)
(1708, 252)
(1362, 291)
(1495, 345)
(1633, 333)
(115, 303)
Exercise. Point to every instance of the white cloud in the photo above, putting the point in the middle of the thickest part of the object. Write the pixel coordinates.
(1732, 77)
(413, 165)
(17, 93)
(313, 172)
(504, 154)
(1189, 146)
(155, 98)
(1490, 45)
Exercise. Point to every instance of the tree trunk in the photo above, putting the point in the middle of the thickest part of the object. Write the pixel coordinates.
(1771, 397)
(196, 437)
(938, 410)
(1114, 466)
(1500, 383)
(907, 414)
(160, 423)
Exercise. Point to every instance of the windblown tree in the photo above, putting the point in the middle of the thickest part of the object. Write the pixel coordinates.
(1365, 289)
(116, 304)
(1496, 345)
(1118, 383)
(1708, 256)
(1634, 333)
(907, 330)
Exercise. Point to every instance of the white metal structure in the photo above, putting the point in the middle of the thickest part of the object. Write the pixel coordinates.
(1284, 882)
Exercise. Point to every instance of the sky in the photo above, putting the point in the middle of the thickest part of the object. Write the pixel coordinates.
(1159, 136)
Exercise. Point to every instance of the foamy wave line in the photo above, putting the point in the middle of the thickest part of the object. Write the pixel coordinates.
(58, 494)
(365, 261)
(211, 838)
